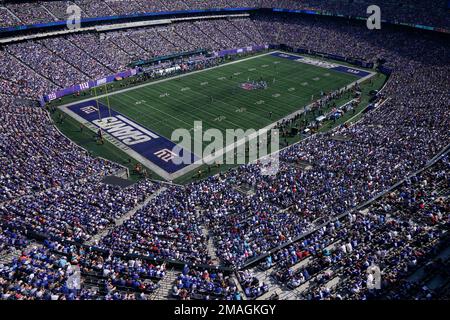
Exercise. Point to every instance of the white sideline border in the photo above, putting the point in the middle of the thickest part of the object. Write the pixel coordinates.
(161, 172)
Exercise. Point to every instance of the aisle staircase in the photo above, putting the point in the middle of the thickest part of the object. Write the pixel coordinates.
(166, 284)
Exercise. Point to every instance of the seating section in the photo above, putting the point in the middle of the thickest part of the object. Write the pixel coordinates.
(44, 273)
(59, 216)
(193, 284)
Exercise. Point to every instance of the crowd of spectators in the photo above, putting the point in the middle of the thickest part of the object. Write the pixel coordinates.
(36, 275)
(410, 11)
(32, 12)
(74, 211)
(193, 284)
(49, 65)
(251, 285)
(406, 229)
(384, 147)
(20, 80)
(11, 239)
(50, 186)
(74, 53)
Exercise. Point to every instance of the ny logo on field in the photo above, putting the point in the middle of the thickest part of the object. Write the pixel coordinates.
(89, 109)
(165, 155)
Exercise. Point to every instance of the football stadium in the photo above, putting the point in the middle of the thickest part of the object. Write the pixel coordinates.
(243, 94)
(238, 150)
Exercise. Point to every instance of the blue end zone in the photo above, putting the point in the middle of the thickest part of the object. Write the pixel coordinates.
(339, 68)
(148, 144)
(353, 71)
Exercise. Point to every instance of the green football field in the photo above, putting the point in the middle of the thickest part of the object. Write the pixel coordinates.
(214, 96)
